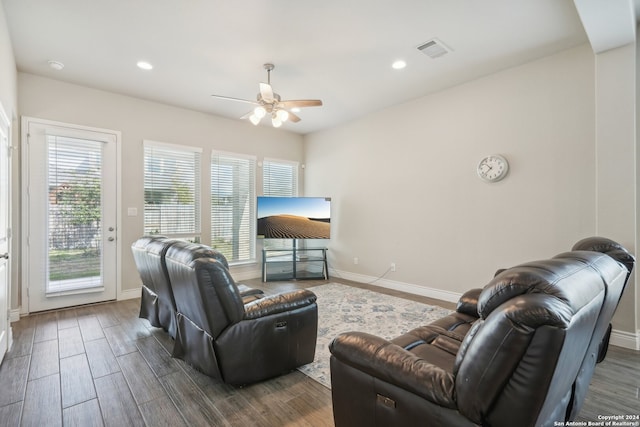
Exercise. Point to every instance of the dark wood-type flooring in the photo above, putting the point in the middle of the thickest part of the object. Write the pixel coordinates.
(102, 365)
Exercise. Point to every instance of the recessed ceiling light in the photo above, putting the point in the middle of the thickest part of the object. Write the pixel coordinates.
(295, 109)
(144, 65)
(399, 64)
(56, 65)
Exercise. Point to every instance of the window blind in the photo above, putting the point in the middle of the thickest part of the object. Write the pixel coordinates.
(233, 213)
(279, 178)
(171, 190)
(74, 212)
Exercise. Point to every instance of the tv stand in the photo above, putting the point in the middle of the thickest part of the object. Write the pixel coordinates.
(294, 264)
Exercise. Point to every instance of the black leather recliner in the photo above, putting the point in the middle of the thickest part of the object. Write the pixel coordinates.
(157, 303)
(600, 341)
(224, 337)
(523, 357)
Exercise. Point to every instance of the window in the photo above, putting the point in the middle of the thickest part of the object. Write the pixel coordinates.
(172, 190)
(233, 212)
(74, 213)
(279, 178)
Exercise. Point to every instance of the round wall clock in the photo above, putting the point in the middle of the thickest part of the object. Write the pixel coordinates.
(493, 168)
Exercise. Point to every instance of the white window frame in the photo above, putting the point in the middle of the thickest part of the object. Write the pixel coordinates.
(250, 222)
(196, 233)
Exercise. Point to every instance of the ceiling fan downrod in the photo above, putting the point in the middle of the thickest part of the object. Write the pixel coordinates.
(269, 67)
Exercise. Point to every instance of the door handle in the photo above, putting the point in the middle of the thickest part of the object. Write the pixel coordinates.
(111, 239)
(5, 255)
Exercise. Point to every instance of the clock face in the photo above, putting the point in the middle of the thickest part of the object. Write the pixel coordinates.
(493, 168)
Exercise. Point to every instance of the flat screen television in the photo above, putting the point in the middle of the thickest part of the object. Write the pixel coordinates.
(294, 217)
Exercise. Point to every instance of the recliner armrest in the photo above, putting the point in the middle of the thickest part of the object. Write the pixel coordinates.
(246, 291)
(249, 294)
(280, 303)
(468, 302)
(382, 359)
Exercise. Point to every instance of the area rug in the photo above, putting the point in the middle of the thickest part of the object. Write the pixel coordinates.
(344, 308)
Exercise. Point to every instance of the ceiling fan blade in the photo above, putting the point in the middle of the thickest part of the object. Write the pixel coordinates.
(228, 98)
(266, 91)
(246, 116)
(293, 118)
(300, 103)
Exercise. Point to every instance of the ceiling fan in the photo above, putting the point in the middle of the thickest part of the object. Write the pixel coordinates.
(269, 102)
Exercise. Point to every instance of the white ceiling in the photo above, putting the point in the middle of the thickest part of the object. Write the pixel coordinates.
(338, 51)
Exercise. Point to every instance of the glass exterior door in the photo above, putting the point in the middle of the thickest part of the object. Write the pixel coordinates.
(72, 208)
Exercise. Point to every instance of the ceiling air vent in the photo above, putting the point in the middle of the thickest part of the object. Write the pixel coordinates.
(434, 48)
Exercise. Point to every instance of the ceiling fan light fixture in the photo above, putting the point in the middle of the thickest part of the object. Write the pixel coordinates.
(283, 115)
(275, 121)
(254, 119)
(260, 112)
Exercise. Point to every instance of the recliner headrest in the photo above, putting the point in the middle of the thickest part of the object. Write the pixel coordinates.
(158, 247)
(144, 241)
(186, 253)
(568, 277)
(606, 246)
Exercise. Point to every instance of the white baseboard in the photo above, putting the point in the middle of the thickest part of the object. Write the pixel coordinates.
(129, 294)
(625, 339)
(399, 286)
(14, 315)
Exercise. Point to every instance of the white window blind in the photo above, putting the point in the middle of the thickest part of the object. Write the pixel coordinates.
(74, 213)
(279, 178)
(171, 190)
(233, 212)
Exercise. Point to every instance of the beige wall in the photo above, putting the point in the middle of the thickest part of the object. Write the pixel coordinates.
(139, 120)
(405, 188)
(616, 160)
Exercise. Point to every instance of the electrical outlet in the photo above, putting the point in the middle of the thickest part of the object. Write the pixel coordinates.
(393, 266)
(355, 260)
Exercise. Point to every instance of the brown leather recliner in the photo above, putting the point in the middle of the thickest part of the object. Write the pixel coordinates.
(224, 337)
(522, 361)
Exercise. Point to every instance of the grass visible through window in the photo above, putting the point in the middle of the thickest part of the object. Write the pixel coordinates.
(67, 264)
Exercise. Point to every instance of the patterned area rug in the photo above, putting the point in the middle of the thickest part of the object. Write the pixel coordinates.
(344, 308)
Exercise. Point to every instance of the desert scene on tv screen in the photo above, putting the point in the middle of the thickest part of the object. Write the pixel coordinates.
(293, 218)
